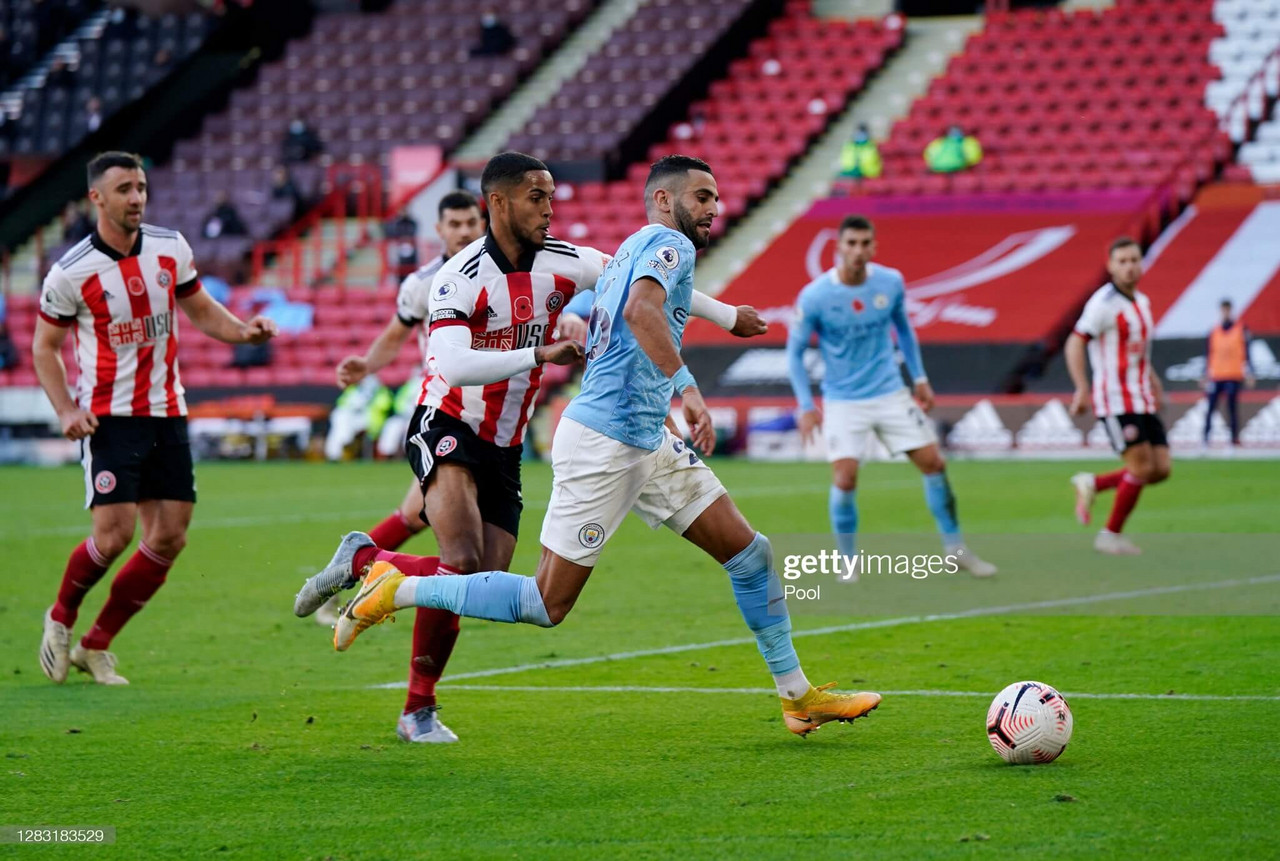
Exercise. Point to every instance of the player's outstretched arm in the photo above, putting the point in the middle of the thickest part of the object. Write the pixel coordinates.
(743, 321)
(212, 317)
(1074, 351)
(46, 353)
(381, 352)
(647, 320)
(462, 366)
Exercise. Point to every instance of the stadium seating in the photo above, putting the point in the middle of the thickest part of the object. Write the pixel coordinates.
(1089, 100)
(1251, 32)
(1249, 55)
(116, 63)
(364, 83)
(1261, 156)
(30, 29)
(345, 322)
(641, 62)
(753, 124)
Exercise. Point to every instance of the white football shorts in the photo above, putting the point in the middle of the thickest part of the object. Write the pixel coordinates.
(895, 418)
(599, 479)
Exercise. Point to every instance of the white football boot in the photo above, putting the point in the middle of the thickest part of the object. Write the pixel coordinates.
(1115, 544)
(98, 663)
(55, 648)
(424, 726)
(327, 615)
(333, 578)
(969, 561)
(1086, 492)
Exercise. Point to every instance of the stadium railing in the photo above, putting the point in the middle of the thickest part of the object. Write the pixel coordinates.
(1250, 107)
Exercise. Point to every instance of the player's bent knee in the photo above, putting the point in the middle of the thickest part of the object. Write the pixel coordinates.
(845, 482)
(934, 464)
(169, 545)
(1147, 473)
(113, 542)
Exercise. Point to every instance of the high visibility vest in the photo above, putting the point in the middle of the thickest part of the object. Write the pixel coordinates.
(1227, 352)
(860, 160)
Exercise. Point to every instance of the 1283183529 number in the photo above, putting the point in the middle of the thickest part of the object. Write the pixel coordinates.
(56, 834)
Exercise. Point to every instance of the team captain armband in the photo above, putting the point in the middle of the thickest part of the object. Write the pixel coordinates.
(447, 317)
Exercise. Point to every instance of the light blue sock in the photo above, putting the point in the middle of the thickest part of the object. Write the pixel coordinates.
(759, 596)
(494, 595)
(942, 504)
(843, 505)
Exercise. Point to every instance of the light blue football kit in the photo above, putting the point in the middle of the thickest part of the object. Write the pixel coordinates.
(624, 394)
(862, 384)
(612, 454)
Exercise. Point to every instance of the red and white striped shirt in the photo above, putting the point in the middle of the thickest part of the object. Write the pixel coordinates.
(506, 307)
(126, 328)
(1118, 330)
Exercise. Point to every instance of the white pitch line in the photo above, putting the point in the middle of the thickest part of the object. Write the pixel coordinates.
(637, 689)
(864, 626)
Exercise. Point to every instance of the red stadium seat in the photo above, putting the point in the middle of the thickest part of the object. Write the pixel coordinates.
(1064, 101)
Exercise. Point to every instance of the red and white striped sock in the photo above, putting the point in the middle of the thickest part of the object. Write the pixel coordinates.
(132, 588)
(412, 566)
(85, 568)
(434, 633)
(1108, 480)
(1126, 498)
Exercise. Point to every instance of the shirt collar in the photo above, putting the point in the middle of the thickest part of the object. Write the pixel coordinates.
(101, 244)
(523, 264)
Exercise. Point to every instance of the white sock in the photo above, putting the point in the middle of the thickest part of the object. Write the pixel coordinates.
(792, 685)
(407, 593)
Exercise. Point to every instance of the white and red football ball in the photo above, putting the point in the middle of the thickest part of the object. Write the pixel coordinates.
(1029, 723)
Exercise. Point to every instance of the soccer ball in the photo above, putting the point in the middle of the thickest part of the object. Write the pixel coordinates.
(1028, 723)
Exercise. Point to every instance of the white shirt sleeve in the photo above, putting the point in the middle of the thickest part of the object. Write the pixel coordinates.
(702, 305)
(593, 263)
(1093, 320)
(59, 303)
(451, 300)
(462, 366)
(411, 301)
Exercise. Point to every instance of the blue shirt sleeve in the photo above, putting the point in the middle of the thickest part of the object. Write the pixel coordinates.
(802, 329)
(663, 260)
(581, 303)
(907, 342)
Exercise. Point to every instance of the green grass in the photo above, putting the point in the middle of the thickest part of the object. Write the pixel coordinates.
(244, 735)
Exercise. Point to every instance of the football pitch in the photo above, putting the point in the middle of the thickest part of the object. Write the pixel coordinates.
(634, 730)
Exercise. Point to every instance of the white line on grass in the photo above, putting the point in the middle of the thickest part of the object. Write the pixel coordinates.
(863, 626)
(638, 689)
